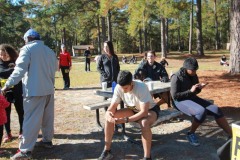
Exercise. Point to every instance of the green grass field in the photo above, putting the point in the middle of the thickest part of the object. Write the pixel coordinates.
(80, 78)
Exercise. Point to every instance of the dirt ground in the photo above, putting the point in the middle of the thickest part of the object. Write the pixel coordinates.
(78, 137)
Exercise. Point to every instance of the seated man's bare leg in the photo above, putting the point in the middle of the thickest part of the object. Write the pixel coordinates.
(146, 124)
(109, 127)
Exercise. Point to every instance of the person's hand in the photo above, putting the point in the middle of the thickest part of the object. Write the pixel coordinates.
(110, 117)
(70, 67)
(4, 90)
(194, 87)
(202, 85)
(120, 120)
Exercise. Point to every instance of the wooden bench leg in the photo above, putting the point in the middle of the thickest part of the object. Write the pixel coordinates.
(169, 99)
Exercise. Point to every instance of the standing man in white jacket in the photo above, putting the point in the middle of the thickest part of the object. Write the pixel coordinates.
(35, 66)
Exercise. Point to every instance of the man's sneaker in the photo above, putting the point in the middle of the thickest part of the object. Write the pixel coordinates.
(192, 138)
(44, 144)
(106, 155)
(8, 138)
(22, 156)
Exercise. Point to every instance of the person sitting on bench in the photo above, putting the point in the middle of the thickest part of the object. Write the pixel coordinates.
(184, 89)
(140, 108)
(156, 72)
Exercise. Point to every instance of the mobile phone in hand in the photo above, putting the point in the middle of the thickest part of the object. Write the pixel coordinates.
(204, 84)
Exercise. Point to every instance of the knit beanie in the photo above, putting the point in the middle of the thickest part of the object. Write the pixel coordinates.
(190, 63)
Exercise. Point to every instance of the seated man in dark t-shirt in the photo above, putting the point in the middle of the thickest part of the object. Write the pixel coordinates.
(156, 72)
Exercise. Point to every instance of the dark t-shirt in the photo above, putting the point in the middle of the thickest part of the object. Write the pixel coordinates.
(87, 54)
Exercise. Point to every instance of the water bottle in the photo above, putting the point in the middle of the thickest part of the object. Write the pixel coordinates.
(113, 86)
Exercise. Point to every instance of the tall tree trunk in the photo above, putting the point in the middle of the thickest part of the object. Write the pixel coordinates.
(104, 36)
(179, 38)
(163, 37)
(234, 37)
(63, 41)
(191, 29)
(216, 26)
(199, 28)
(109, 26)
(99, 36)
(166, 32)
(140, 41)
(145, 38)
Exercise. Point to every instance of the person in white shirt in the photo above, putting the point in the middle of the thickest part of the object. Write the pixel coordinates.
(140, 108)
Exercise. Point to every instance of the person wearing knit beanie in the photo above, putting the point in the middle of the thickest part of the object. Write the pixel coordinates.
(190, 64)
(185, 87)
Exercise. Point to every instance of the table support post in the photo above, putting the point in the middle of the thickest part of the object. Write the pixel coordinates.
(97, 119)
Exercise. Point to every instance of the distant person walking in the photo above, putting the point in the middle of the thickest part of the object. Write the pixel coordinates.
(36, 66)
(8, 56)
(65, 64)
(108, 64)
(87, 55)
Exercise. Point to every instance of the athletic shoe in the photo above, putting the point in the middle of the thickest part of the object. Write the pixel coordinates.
(192, 138)
(8, 138)
(44, 144)
(22, 156)
(106, 155)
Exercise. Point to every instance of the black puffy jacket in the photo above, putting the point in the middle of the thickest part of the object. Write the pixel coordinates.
(181, 83)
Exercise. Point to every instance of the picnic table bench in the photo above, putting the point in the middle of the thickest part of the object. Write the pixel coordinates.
(158, 87)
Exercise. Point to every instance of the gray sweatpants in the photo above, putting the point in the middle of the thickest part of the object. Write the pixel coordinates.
(38, 114)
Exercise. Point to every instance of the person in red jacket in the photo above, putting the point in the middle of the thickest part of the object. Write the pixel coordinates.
(65, 64)
(3, 117)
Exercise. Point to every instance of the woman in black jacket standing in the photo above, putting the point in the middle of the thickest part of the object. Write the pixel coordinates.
(108, 64)
(8, 56)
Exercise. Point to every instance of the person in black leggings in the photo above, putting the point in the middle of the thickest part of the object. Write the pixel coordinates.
(184, 89)
(8, 56)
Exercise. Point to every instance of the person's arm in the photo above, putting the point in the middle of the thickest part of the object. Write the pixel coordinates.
(22, 65)
(111, 112)
(163, 74)
(175, 89)
(100, 67)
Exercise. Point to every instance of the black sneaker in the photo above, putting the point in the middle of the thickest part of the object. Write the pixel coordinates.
(44, 144)
(106, 155)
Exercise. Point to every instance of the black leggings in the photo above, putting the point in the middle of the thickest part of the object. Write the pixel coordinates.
(87, 64)
(17, 92)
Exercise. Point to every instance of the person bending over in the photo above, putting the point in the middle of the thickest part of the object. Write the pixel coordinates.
(140, 108)
(184, 89)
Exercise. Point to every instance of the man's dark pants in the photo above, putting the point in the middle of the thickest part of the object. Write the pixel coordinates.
(87, 64)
